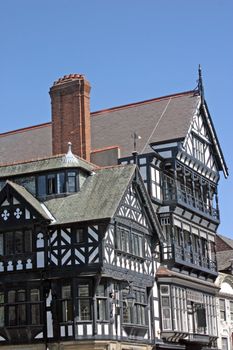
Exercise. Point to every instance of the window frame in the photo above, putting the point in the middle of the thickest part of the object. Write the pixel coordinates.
(66, 304)
(19, 312)
(130, 241)
(27, 241)
(137, 314)
(52, 184)
(222, 309)
(102, 301)
(86, 299)
(198, 148)
(166, 322)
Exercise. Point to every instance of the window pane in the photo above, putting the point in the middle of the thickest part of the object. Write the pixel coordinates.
(60, 182)
(164, 289)
(67, 311)
(35, 313)
(11, 316)
(84, 307)
(35, 295)
(28, 240)
(71, 182)
(41, 183)
(21, 295)
(2, 316)
(1, 244)
(101, 309)
(66, 292)
(143, 172)
(2, 309)
(224, 344)
(51, 184)
(100, 290)
(9, 243)
(21, 316)
(165, 301)
(126, 314)
(83, 290)
(11, 296)
(18, 242)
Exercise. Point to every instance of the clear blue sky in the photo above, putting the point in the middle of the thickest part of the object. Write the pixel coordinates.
(130, 50)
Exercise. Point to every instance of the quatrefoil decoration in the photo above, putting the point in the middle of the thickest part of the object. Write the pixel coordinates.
(18, 213)
(5, 214)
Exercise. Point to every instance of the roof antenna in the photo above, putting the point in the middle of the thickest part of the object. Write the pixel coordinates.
(200, 83)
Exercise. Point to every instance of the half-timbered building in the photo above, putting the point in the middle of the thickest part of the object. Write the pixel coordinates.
(78, 250)
(176, 148)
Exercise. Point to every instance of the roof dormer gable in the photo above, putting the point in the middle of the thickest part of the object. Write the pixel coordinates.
(201, 141)
(18, 206)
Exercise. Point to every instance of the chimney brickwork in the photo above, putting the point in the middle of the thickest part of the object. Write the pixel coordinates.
(70, 99)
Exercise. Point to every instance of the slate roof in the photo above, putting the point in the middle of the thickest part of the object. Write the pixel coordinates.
(224, 260)
(26, 144)
(98, 198)
(155, 120)
(225, 257)
(54, 162)
(227, 240)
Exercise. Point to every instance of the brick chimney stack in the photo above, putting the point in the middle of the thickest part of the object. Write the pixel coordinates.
(70, 99)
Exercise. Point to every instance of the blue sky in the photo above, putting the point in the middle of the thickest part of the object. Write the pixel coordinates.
(130, 50)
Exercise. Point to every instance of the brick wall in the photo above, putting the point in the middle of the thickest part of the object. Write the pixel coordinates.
(70, 99)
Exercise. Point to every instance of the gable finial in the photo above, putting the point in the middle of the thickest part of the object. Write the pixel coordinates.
(69, 147)
(69, 156)
(200, 83)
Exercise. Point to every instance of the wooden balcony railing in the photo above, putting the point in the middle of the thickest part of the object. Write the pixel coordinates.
(183, 195)
(186, 256)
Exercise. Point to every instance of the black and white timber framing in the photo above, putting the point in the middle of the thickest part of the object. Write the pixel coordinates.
(77, 241)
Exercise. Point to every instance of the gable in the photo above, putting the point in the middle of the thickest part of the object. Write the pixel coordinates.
(16, 209)
(198, 143)
(136, 207)
(201, 141)
(131, 208)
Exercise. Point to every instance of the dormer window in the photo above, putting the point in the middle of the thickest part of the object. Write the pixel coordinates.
(57, 183)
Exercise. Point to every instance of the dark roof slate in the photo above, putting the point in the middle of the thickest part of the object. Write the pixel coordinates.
(98, 198)
(155, 120)
(227, 240)
(55, 162)
(224, 260)
(26, 144)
